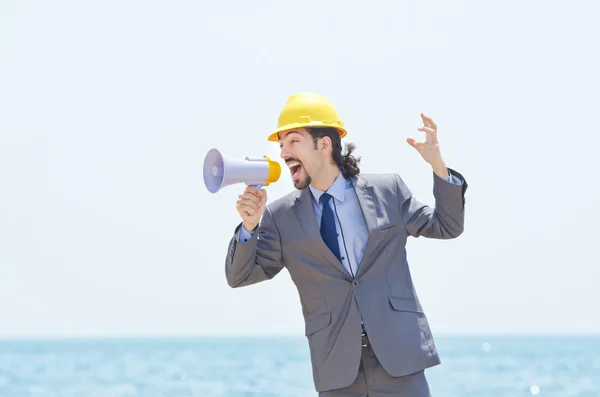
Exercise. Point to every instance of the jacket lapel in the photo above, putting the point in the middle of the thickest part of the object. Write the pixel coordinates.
(305, 213)
(368, 205)
(366, 198)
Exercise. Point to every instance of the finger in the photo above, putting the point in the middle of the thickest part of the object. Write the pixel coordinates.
(433, 124)
(262, 195)
(431, 134)
(415, 144)
(252, 190)
(251, 196)
(243, 211)
(428, 136)
(249, 203)
(426, 122)
(244, 208)
(429, 121)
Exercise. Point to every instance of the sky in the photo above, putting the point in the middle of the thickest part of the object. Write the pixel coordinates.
(107, 109)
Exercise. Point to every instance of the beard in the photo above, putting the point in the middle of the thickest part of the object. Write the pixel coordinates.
(303, 183)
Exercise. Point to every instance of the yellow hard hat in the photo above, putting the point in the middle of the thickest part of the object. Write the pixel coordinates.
(307, 110)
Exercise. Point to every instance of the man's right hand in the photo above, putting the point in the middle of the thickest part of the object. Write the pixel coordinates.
(251, 206)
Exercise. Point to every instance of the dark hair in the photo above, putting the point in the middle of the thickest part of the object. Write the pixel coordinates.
(347, 162)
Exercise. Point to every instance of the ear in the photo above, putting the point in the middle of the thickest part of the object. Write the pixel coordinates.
(325, 143)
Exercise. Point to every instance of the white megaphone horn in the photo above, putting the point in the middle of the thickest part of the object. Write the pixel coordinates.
(220, 171)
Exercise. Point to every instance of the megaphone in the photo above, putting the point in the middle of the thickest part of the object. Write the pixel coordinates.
(220, 171)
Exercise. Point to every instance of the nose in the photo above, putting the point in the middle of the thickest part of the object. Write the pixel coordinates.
(284, 154)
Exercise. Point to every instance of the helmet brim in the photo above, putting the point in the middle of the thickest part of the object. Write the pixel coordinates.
(274, 137)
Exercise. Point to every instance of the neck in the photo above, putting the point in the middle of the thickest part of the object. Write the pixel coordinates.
(326, 177)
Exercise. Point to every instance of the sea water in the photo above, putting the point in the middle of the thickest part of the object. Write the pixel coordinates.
(492, 366)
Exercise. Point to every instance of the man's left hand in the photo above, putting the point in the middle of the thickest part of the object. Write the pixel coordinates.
(430, 149)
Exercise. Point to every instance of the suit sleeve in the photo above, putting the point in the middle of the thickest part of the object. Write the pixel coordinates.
(257, 259)
(445, 220)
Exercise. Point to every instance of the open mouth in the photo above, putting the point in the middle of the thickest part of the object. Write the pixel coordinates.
(295, 167)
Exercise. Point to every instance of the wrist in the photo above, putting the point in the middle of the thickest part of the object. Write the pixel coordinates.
(249, 227)
(441, 170)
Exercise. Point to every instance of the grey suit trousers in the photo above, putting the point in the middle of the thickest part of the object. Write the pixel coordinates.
(374, 381)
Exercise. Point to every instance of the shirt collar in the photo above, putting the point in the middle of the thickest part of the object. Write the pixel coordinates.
(337, 189)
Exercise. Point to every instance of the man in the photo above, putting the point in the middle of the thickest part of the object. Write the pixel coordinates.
(342, 236)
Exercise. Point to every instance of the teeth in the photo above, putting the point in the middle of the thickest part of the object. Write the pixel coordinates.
(293, 164)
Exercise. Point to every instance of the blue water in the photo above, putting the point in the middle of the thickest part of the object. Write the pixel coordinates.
(472, 366)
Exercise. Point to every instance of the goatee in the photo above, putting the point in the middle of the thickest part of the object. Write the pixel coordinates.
(303, 183)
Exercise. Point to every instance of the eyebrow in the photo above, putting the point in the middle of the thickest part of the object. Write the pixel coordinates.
(289, 133)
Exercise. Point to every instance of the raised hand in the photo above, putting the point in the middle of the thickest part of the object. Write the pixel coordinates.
(251, 206)
(430, 149)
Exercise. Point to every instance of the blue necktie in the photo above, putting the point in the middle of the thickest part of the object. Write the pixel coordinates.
(328, 231)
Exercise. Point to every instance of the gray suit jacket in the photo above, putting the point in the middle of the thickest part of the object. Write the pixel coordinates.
(382, 292)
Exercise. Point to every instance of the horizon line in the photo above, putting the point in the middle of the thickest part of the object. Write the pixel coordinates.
(199, 336)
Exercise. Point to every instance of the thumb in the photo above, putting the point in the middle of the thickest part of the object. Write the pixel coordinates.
(415, 144)
(262, 193)
(412, 143)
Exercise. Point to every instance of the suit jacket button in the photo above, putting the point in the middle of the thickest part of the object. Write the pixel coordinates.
(355, 283)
